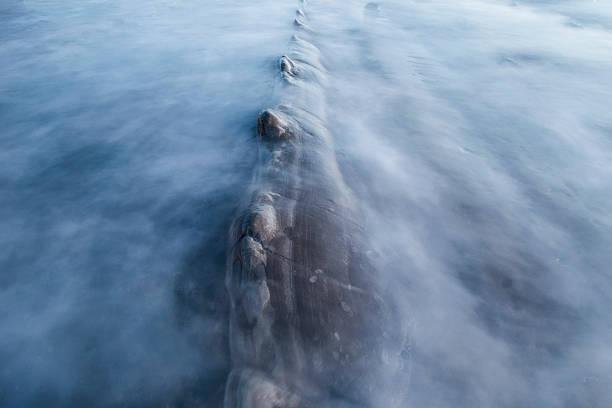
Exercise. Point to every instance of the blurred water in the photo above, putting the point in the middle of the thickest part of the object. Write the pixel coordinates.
(126, 140)
(478, 135)
(475, 134)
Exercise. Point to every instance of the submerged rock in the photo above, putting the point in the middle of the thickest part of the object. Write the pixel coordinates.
(306, 305)
(372, 6)
(261, 223)
(307, 316)
(300, 23)
(251, 389)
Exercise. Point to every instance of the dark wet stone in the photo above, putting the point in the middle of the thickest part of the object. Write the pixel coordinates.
(287, 66)
(271, 127)
(261, 223)
(307, 304)
(307, 311)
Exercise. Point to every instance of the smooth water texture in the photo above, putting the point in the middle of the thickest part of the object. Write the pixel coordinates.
(475, 135)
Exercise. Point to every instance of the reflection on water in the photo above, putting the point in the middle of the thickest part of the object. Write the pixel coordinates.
(476, 136)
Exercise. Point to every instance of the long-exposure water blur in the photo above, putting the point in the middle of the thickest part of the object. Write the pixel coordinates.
(472, 138)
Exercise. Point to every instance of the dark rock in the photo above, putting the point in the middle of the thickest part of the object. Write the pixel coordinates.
(271, 127)
(287, 66)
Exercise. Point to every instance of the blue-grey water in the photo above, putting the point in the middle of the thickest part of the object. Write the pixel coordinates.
(476, 136)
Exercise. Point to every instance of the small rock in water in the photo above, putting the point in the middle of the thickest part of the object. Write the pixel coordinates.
(299, 22)
(372, 6)
(287, 66)
(271, 127)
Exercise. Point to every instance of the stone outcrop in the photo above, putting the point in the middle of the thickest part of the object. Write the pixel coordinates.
(308, 325)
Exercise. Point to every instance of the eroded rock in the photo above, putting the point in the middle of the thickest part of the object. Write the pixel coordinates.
(287, 66)
(300, 23)
(252, 259)
(271, 126)
(307, 312)
(248, 388)
(254, 298)
(261, 223)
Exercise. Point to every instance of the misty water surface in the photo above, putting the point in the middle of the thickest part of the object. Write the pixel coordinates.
(476, 136)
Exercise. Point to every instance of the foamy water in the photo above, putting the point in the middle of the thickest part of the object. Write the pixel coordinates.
(475, 136)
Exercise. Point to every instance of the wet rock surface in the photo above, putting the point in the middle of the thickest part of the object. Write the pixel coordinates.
(287, 66)
(309, 326)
